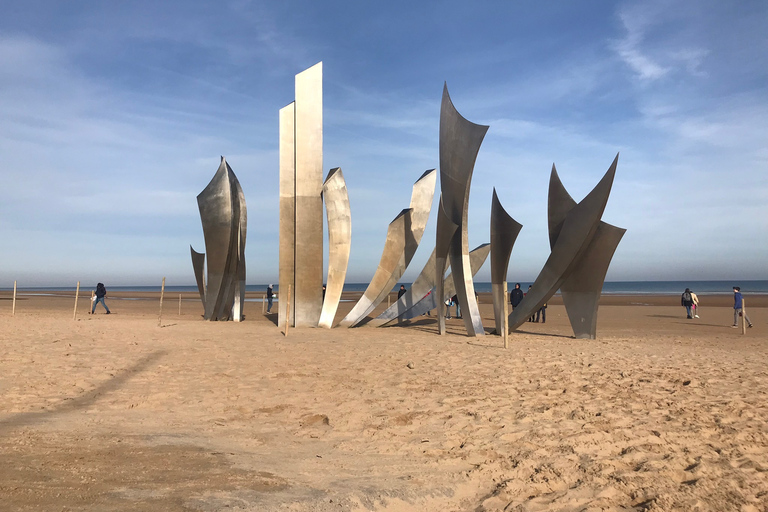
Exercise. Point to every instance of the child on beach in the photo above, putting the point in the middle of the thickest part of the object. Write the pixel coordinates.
(695, 305)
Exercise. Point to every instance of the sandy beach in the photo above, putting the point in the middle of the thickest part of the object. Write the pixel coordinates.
(121, 412)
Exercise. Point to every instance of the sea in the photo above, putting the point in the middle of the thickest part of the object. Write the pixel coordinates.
(609, 287)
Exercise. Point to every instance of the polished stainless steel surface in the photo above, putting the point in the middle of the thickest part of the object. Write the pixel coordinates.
(308, 278)
(198, 266)
(570, 240)
(223, 215)
(446, 231)
(339, 242)
(504, 231)
(460, 142)
(287, 243)
(429, 302)
(402, 242)
(301, 204)
(582, 288)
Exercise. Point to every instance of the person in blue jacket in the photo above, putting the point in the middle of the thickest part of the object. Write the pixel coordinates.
(738, 307)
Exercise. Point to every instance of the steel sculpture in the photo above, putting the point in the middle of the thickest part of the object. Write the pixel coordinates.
(504, 231)
(339, 242)
(429, 302)
(570, 239)
(301, 204)
(403, 238)
(224, 218)
(581, 290)
(460, 142)
(198, 266)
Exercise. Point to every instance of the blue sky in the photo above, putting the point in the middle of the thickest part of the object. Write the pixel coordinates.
(114, 116)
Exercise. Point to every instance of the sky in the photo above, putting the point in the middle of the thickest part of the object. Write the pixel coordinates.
(115, 116)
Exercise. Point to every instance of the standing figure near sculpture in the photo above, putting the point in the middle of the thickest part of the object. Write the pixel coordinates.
(695, 307)
(270, 295)
(455, 300)
(533, 315)
(516, 296)
(738, 307)
(686, 300)
(101, 293)
(542, 313)
(401, 291)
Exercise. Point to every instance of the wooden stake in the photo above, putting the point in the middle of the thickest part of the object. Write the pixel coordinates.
(160, 315)
(77, 294)
(288, 312)
(179, 304)
(505, 323)
(388, 300)
(13, 313)
(263, 303)
(743, 317)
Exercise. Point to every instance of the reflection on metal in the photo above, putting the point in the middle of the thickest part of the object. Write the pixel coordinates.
(572, 231)
(339, 242)
(446, 230)
(198, 265)
(301, 204)
(419, 289)
(504, 231)
(224, 219)
(460, 142)
(429, 302)
(582, 288)
(403, 237)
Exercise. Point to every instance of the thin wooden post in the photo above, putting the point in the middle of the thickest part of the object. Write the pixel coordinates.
(77, 295)
(743, 317)
(13, 312)
(505, 323)
(179, 304)
(288, 312)
(388, 299)
(160, 315)
(263, 303)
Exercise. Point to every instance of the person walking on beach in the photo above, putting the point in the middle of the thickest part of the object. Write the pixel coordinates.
(455, 300)
(516, 296)
(695, 307)
(542, 312)
(738, 307)
(686, 300)
(101, 293)
(270, 295)
(401, 291)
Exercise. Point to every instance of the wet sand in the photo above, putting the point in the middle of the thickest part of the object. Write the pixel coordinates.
(116, 412)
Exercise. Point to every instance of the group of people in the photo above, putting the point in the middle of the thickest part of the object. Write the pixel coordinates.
(690, 301)
(516, 297)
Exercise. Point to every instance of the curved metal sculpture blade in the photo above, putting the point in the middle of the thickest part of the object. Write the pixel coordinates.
(460, 142)
(391, 267)
(198, 266)
(223, 215)
(445, 233)
(423, 284)
(339, 242)
(477, 258)
(504, 231)
(578, 228)
(582, 288)
(397, 254)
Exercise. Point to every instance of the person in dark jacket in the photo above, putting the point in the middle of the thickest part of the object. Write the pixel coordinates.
(515, 296)
(738, 307)
(686, 300)
(401, 291)
(270, 295)
(101, 293)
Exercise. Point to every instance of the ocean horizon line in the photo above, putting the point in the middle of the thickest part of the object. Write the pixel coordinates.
(609, 287)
